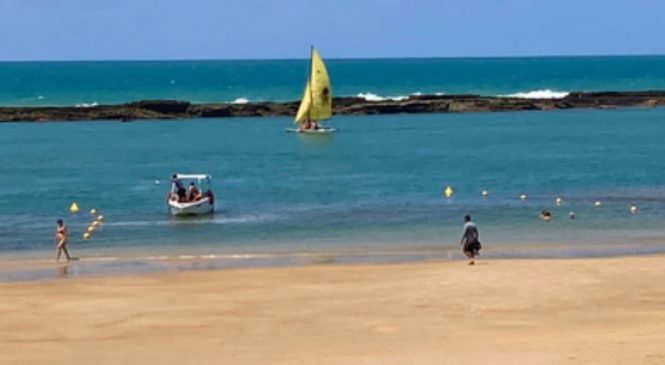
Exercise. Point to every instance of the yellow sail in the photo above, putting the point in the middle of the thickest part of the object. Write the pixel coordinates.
(305, 104)
(316, 103)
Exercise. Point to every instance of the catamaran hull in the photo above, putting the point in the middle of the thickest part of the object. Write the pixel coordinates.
(201, 207)
(312, 131)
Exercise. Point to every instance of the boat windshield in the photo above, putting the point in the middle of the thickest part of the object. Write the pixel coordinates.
(202, 182)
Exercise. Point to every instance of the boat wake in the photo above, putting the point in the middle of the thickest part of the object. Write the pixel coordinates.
(246, 219)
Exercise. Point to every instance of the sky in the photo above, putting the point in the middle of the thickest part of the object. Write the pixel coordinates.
(250, 29)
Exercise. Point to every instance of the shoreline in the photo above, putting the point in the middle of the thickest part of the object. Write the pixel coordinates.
(174, 109)
(109, 264)
(500, 311)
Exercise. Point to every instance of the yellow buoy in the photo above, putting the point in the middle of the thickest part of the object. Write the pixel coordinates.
(91, 229)
(558, 201)
(74, 208)
(523, 197)
(95, 223)
(448, 191)
(633, 209)
(484, 193)
(93, 211)
(100, 218)
(597, 203)
(86, 235)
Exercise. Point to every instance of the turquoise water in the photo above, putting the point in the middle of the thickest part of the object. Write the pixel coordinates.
(370, 193)
(82, 83)
(375, 186)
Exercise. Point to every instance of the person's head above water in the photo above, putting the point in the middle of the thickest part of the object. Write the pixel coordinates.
(59, 222)
(467, 218)
(174, 176)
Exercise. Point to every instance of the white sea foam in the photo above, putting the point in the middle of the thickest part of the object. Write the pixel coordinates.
(207, 257)
(87, 105)
(240, 101)
(539, 94)
(40, 97)
(102, 258)
(247, 256)
(373, 97)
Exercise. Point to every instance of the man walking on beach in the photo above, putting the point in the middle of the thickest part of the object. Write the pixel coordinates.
(61, 240)
(470, 242)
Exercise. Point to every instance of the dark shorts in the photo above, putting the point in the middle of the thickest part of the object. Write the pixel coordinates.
(473, 246)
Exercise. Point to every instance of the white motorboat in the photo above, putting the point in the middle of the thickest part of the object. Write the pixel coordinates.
(195, 199)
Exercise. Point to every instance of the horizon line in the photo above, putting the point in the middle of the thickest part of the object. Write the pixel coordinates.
(352, 58)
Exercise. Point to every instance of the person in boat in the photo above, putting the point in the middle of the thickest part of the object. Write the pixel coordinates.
(311, 125)
(178, 189)
(61, 240)
(194, 193)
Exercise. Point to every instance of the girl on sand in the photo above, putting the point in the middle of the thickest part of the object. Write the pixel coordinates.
(61, 240)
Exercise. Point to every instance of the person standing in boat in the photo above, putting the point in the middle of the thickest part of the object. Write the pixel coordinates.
(177, 188)
(470, 242)
(61, 240)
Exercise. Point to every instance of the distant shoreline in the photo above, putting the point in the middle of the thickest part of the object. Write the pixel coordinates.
(174, 109)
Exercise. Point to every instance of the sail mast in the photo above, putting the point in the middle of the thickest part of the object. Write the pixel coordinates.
(309, 80)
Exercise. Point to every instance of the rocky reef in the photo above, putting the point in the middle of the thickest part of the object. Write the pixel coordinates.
(173, 109)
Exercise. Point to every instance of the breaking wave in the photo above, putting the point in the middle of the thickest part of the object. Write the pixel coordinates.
(374, 97)
(87, 105)
(539, 94)
(240, 101)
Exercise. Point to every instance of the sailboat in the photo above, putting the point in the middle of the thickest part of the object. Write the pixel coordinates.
(316, 103)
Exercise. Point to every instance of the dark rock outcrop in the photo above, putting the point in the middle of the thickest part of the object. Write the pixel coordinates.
(173, 109)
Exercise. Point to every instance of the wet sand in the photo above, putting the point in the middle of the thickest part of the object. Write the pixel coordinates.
(581, 311)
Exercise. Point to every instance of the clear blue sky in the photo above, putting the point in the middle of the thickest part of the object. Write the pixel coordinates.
(220, 29)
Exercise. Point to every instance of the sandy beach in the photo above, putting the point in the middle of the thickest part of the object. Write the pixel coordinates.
(581, 311)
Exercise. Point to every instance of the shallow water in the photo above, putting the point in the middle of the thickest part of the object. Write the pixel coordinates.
(371, 192)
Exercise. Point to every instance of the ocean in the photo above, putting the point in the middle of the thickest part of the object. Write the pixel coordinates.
(90, 83)
(373, 192)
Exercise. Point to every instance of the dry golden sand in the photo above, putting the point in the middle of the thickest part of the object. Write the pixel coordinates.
(590, 311)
